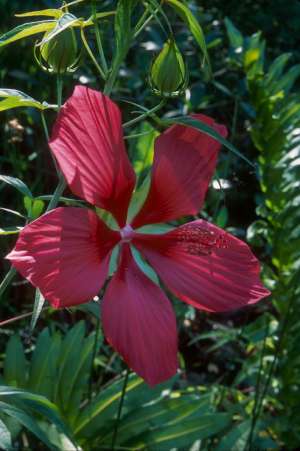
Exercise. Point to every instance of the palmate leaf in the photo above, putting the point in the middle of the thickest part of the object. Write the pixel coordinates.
(25, 30)
(15, 99)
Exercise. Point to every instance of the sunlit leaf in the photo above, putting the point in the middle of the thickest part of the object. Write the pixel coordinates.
(25, 30)
(15, 99)
(43, 12)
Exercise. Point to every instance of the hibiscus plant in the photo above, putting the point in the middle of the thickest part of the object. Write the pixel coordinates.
(124, 245)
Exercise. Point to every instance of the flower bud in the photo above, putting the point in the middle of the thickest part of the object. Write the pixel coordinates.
(60, 53)
(168, 72)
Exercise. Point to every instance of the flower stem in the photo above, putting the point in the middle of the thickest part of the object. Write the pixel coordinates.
(59, 87)
(115, 434)
(98, 39)
(93, 357)
(144, 115)
(90, 53)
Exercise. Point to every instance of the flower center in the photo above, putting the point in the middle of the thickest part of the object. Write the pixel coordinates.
(127, 233)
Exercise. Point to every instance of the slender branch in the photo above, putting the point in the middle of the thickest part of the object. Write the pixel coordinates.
(17, 318)
(115, 434)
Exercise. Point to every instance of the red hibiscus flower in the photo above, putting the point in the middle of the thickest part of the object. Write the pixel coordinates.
(66, 252)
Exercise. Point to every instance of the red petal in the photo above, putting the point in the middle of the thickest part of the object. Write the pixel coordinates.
(139, 322)
(87, 141)
(184, 162)
(65, 253)
(205, 266)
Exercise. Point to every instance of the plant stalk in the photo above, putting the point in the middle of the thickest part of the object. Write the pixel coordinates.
(115, 434)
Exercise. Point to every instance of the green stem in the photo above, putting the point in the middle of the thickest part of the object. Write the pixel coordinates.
(93, 357)
(57, 193)
(39, 300)
(7, 279)
(144, 115)
(45, 126)
(98, 39)
(90, 53)
(59, 86)
(115, 434)
(112, 78)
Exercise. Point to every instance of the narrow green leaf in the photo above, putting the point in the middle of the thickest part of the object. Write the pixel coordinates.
(123, 29)
(235, 37)
(189, 121)
(15, 363)
(27, 421)
(187, 16)
(25, 30)
(36, 403)
(23, 401)
(102, 15)
(39, 301)
(44, 364)
(138, 422)
(16, 183)
(43, 12)
(185, 432)
(236, 439)
(68, 360)
(13, 212)
(16, 99)
(10, 230)
(103, 407)
(5, 437)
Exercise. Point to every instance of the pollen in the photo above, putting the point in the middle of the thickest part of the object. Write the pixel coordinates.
(197, 240)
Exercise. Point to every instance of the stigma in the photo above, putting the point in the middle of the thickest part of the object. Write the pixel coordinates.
(127, 233)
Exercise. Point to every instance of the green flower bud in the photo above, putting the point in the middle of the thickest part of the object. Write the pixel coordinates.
(169, 75)
(60, 53)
